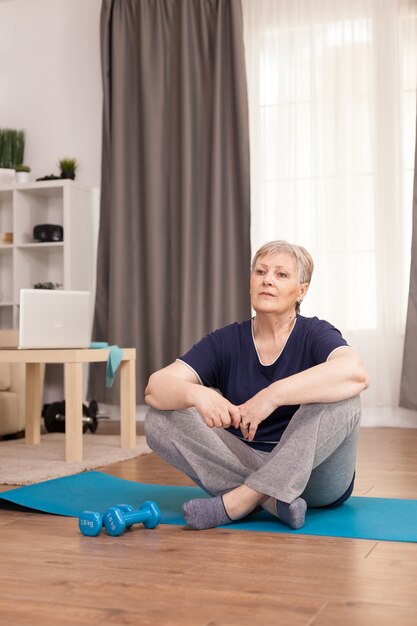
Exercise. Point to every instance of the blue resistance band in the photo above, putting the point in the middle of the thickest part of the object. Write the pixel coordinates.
(113, 362)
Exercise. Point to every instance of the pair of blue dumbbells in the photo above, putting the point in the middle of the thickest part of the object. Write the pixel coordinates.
(117, 518)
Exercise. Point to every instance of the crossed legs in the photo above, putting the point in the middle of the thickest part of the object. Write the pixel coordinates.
(312, 465)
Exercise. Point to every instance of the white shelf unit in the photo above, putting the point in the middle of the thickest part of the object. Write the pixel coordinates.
(25, 262)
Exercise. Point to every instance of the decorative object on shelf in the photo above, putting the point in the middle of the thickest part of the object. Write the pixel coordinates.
(22, 173)
(12, 147)
(68, 167)
(48, 233)
(6, 238)
(48, 177)
(47, 285)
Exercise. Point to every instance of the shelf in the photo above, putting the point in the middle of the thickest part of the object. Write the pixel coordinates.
(6, 272)
(43, 186)
(25, 262)
(41, 247)
(39, 266)
(6, 213)
(34, 207)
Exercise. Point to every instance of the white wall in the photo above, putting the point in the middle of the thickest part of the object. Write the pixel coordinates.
(50, 86)
(50, 82)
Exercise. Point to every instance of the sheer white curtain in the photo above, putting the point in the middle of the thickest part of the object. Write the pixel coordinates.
(332, 102)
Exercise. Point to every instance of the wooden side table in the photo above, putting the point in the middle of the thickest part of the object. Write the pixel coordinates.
(73, 361)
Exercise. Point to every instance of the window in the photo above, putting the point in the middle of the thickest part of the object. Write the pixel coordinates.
(332, 104)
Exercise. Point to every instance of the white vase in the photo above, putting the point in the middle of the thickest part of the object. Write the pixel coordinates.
(22, 177)
(7, 176)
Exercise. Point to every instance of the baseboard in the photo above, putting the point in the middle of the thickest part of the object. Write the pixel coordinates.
(394, 417)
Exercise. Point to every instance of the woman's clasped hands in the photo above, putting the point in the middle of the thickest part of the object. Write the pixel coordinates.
(253, 412)
(217, 412)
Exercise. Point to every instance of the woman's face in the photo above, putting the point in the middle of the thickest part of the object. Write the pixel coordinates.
(274, 284)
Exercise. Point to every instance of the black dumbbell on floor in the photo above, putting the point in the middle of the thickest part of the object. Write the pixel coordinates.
(91, 523)
(116, 520)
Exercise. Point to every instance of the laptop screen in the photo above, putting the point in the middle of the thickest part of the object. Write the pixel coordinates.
(51, 318)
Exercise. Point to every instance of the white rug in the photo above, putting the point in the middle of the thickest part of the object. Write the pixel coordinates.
(22, 464)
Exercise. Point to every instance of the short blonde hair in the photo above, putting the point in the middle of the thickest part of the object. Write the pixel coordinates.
(303, 259)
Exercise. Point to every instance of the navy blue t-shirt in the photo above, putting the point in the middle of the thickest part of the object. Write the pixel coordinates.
(227, 360)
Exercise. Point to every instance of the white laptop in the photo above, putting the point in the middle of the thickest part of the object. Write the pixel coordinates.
(54, 318)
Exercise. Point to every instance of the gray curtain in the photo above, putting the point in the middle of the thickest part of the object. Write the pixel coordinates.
(174, 240)
(408, 389)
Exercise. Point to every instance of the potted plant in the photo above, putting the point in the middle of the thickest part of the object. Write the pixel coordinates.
(12, 147)
(22, 173)
(68, 167)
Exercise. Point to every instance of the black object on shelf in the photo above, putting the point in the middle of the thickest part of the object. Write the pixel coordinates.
(50, 177)
(48, 232)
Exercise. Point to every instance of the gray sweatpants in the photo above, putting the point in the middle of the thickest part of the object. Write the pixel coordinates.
(315, 457)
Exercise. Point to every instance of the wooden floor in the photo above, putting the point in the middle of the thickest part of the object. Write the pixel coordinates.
(51, 575)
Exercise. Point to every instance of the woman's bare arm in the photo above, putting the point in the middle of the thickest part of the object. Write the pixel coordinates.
(177, 387)
(342, 376)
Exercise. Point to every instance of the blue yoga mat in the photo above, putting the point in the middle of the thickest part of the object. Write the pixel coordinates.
(382, 519)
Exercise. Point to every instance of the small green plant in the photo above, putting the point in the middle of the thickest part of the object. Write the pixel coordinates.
(48, 285)
(68, 167)
(12, 147)
(22, 168)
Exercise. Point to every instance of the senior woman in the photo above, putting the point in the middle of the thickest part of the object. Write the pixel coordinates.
(263, 413)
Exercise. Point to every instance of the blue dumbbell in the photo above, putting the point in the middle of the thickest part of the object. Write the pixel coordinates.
(90, 523)
(116, 520)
